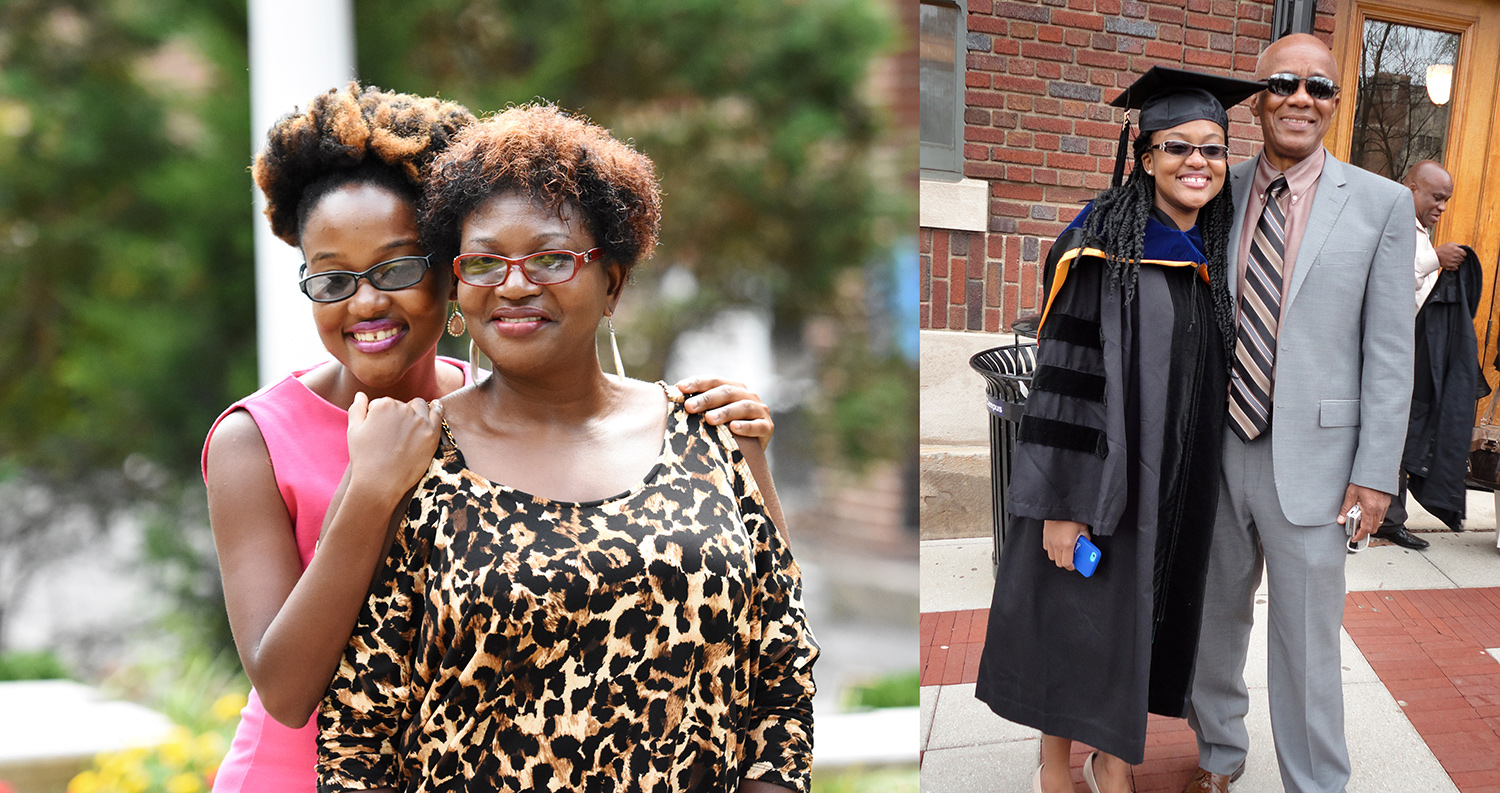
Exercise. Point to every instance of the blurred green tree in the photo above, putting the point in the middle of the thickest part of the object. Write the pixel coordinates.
(125, 260)
(126, 269)
(126, 234)
(765, 138)
(124, 230)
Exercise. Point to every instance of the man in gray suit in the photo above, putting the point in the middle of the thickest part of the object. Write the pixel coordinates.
(1319, 396)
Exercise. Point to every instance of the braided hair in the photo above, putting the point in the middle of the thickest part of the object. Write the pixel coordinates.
(1117, 225)
(1214, 222)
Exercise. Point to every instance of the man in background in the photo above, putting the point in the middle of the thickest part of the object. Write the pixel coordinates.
(1446, 367)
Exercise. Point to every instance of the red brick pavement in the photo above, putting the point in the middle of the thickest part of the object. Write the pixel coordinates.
(1427, 647)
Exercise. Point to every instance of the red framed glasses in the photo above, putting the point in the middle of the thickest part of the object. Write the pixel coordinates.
(543, 268)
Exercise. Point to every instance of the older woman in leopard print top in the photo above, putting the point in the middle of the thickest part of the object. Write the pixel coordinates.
(588, 590)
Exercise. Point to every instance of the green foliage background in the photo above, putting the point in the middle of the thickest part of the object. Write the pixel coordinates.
(125, 228)
(756, 115)
(126, 273)
(125, 232)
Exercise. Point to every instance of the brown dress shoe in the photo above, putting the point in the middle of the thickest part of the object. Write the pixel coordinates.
(1209, 782)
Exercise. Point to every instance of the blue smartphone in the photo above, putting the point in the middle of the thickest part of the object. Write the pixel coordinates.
(1085, 556)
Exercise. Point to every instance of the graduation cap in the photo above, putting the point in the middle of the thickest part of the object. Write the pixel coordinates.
(1167, 97)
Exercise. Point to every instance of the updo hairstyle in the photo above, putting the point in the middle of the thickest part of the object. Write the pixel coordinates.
(355, 134)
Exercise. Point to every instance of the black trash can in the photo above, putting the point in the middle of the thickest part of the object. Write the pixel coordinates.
(1007, 376)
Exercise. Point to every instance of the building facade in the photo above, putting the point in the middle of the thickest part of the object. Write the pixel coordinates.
(1038, 137)
(1017, 136)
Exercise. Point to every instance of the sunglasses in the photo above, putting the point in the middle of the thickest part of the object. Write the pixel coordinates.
(1318, 87)
(543, 268)
(1181, 148)
(388, 276)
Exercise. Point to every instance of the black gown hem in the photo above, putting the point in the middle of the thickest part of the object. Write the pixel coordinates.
(1130, 748)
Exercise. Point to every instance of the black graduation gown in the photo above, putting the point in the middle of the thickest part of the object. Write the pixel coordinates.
(1443, 394)
(1122, 432)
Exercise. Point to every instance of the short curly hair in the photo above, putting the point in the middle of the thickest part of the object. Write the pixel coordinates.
(351, 134)
(557, 158)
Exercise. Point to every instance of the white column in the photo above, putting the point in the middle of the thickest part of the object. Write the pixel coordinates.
(298, 49)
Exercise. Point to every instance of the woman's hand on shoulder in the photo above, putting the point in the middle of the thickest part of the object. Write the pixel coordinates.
(728, 402)
(391, 443)
(1058, 539)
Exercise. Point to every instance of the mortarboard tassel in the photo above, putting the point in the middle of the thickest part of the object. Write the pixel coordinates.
(1120, 151)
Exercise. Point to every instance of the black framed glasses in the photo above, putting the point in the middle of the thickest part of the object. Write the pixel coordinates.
(1318, 86)
(1181, 148)
(388, 276)
(543, 268)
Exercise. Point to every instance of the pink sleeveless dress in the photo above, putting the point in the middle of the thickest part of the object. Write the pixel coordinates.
(307, 441)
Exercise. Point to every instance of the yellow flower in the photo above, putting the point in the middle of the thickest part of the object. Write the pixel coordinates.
(177, 751)
(111, 769)
(85, 782)
(114, 765)
(208, 748)
(228, 706)
(108, 765)
(136, 780)
(185, 783)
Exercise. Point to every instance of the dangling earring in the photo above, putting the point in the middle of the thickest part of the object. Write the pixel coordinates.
(456, 324)
(614, 347)
(475, 358)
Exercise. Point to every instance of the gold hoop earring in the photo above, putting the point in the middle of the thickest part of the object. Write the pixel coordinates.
(614, 347)
(456, 324)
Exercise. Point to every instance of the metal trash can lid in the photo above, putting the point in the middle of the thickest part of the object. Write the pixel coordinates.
(1006, 370)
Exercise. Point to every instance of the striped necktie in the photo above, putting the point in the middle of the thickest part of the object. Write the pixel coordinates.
(1250, 382)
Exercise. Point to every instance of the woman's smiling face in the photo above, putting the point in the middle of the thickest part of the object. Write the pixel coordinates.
(1185, 183)
(522, 326)
(377, 335)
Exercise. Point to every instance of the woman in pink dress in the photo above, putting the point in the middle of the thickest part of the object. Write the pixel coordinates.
(342, 182)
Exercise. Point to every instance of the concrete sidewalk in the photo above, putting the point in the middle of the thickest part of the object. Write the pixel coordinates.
(1422, 696)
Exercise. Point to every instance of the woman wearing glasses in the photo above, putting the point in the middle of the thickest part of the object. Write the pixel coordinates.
(342, 183)
(1119, 447)
(588, 590)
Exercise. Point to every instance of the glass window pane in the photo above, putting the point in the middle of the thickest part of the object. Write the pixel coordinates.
(1405, 97)
(939, 56)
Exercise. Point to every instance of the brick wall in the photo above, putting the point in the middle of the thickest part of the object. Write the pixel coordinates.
(1038, 131)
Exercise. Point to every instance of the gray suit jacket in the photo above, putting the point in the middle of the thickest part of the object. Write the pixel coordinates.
(1344, 352)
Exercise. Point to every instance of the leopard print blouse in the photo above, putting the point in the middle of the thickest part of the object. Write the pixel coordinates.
(653, 641)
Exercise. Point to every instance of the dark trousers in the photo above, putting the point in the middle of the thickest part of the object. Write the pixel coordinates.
(1396, 514)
